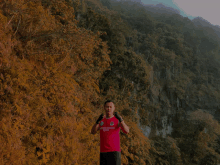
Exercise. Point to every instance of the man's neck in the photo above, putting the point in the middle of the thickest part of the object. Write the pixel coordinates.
(108, 117)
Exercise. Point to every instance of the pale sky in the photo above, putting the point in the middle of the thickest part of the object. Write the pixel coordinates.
(207, 9)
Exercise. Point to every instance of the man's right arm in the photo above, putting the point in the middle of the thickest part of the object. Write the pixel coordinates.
(95, 128)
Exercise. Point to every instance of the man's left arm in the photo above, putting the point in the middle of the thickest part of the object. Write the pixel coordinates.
(124, 126)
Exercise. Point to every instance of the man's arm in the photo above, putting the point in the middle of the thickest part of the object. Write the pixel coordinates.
(124, 127)
(95, 128)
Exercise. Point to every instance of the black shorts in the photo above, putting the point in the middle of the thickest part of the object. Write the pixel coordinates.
(110, 158)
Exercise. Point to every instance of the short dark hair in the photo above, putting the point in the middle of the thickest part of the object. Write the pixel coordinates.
(108, 101)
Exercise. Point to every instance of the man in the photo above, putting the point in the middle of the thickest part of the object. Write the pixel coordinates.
(109, 126)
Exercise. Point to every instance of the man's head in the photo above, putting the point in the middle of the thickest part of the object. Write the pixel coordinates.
(109, 108)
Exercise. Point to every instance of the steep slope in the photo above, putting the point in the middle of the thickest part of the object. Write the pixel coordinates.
(183, 75)
(60, 60)
(49, 87)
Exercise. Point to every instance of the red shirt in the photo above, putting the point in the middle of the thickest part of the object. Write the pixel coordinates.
(109, 135)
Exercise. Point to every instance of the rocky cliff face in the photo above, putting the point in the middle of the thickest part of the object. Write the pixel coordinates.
(169, 103)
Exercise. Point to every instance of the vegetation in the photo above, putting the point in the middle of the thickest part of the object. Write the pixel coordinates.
(60, 60)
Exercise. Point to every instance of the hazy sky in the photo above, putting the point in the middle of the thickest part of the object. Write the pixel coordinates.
(207, 9)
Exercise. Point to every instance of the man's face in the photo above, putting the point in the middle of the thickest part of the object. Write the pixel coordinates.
(109, 109)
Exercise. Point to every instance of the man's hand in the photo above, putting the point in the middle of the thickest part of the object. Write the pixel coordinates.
(118, 117)
(100, 118)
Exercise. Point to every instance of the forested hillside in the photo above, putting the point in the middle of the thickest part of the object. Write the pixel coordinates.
(60, 60)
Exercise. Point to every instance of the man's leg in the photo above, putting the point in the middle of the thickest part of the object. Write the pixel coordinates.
(117, 158)
(110, 158)
(103, 158)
